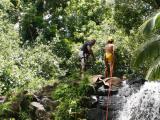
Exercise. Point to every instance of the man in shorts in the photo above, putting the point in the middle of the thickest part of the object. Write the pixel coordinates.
(85, 52)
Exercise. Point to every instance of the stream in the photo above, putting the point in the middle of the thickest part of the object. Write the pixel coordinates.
(134, 100)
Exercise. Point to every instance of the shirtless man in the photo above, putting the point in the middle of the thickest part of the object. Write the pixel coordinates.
(109, 57)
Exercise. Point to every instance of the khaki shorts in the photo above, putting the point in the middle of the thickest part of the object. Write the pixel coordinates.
(82, 57)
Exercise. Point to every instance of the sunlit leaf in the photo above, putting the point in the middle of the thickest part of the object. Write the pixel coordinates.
(154, 71)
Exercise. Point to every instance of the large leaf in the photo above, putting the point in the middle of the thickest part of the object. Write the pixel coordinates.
(151, 24)
(157, 22)
(151, 49)
(154, 71)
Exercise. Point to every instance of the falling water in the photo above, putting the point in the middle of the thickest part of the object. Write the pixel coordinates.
(143, 105)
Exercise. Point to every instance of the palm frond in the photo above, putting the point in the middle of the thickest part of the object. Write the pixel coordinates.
(154, 71)
(151, 24)
(151, 49)
(157, 22)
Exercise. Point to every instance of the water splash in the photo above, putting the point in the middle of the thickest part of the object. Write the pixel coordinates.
(143, 105)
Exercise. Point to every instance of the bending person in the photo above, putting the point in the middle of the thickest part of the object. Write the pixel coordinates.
(85, 52)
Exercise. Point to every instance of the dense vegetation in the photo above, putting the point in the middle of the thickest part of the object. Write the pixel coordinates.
(40, 41)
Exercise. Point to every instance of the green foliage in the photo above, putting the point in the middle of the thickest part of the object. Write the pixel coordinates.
(62, 48)
(151, 25)
(154, 71)
(49, 38)
(69, 95)
(5, 107)
(23, 66)
(24, 116)
(149, 51)
(30, 23)
(130, 14)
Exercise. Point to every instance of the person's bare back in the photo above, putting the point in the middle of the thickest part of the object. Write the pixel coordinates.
(109, 48)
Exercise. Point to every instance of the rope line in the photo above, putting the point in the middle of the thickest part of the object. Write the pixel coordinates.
(109, 93)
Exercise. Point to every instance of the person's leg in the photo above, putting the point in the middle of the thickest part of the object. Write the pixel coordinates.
(106, 67)
(82, 61)
(82, 65)
(86, 61)
(111, 69)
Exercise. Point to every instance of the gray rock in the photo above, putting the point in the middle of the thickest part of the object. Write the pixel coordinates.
(49, 104)
(37, 106)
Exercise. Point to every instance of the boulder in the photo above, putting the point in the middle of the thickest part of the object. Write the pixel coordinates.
(114, 81)
(36, 105)
(38, 111)
(49, 104)
(96, 78)
(139, 81)
(103, 91)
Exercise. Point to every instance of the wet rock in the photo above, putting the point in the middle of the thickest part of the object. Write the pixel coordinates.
(96, 78)
(103, 91)
(49, 104)
(94, 99)
(118, 92)
(113, 103)
(114, 81)
(92, 114)
(138, 81)
(98, 84)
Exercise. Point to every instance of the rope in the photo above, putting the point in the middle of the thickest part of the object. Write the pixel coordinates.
(109, 92)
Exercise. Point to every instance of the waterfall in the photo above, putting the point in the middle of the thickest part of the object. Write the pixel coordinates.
(142, 105)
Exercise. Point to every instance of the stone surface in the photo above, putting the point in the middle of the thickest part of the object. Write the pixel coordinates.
(37, 105)
(50, 105)
(119, 92)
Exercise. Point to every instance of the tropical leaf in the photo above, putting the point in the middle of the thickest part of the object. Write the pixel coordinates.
(157, 22)
(150, 50)
(154, 71)
(151, 24)
(148, 26)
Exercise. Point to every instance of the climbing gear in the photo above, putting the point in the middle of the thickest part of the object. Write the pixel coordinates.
(109, 92)
(108, 98)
